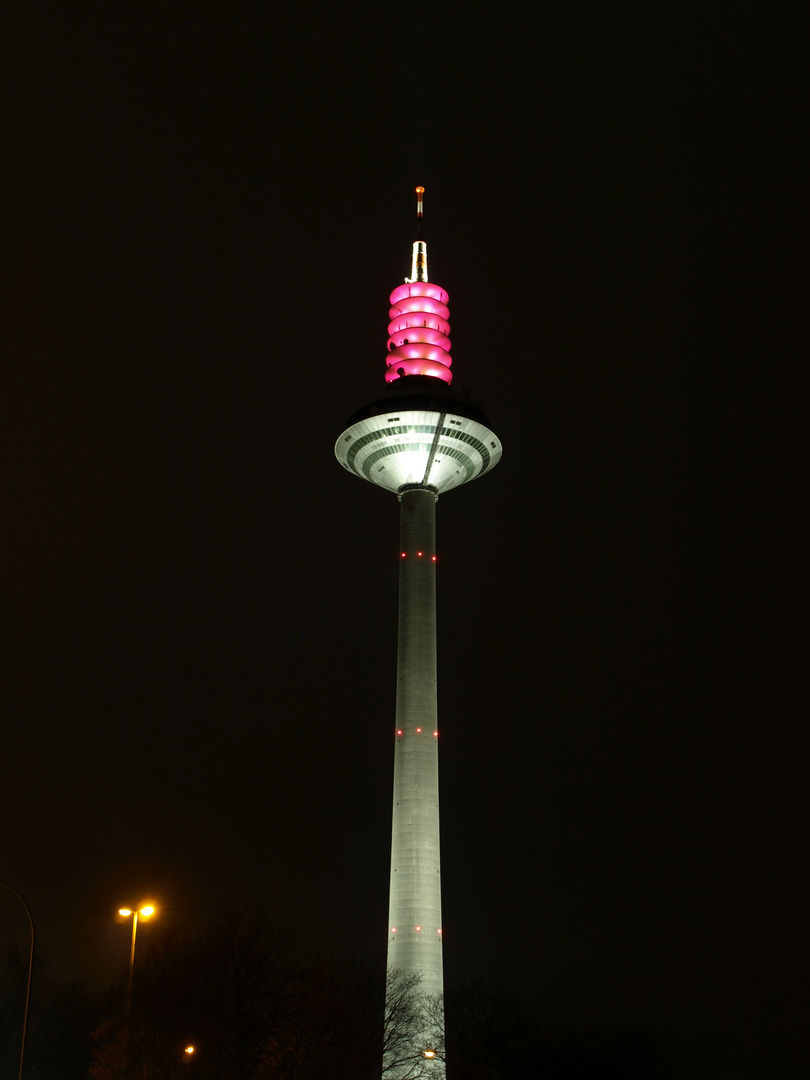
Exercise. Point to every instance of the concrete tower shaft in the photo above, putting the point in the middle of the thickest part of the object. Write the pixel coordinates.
(415, 922)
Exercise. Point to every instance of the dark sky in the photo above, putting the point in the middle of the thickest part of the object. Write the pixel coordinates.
(205, 208)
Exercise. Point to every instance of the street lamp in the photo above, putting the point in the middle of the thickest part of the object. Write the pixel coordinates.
(145, 912)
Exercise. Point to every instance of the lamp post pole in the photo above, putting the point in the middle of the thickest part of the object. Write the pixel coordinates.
(131, 963)
(24, 903)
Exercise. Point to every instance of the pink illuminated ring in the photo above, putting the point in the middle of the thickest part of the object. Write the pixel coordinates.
(419, 288)
(419, 367)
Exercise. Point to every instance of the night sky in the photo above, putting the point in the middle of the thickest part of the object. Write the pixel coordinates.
(204, 210)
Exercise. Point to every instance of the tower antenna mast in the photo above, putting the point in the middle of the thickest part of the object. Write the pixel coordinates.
(419, 257)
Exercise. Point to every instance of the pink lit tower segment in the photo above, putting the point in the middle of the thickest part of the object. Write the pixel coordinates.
(419, 441)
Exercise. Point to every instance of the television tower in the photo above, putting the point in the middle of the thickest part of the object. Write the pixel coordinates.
(418, 441)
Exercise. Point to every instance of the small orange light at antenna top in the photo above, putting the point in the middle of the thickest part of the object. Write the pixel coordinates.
(420, 191)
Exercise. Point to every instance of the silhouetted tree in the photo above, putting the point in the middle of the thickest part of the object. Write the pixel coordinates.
(231, 990)
(12, 1001)
(412, 1021)
(257, 1007)
(488, 1035)
(60, 1019)
(491, 1036)
(619, 1055)
(368, 1019)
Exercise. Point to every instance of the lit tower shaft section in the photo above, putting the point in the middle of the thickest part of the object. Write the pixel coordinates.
(418, 441)
(415, 902)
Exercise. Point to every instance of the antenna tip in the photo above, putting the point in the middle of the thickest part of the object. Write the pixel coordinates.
(420, 191)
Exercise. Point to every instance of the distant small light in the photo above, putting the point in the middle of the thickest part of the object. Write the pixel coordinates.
(418, 731)
(434, 558)
(439, 930)
(418, 929)
(393, 929)
(419, 553)
(399, 732)
(435, 734)
(403, 555)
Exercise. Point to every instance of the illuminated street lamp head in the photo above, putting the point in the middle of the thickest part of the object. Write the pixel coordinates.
(144, 912)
